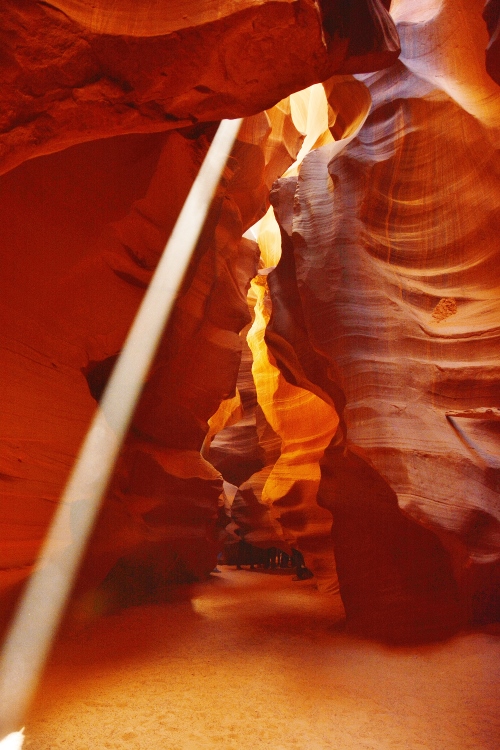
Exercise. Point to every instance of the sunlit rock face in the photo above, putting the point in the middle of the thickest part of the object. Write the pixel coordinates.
(75, 70)
(388, 302)
(248, 443)
(276, 506)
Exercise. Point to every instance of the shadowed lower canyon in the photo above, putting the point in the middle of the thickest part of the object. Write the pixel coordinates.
(329, 379)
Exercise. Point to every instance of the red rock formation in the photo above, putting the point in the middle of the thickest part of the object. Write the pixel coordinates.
(387, 301)
(164, 495)
(277, 506)
(74, 71)
(236, 450)
(87, 227)
(306, 424)
(52, 211)
(382, 345)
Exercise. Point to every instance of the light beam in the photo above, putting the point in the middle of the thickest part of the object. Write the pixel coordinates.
(35, 623)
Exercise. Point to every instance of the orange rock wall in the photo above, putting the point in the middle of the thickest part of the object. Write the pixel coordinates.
(381, 316)
(66, 316)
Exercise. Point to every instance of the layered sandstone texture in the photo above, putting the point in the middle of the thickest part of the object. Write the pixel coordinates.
(367, 388)
(108, 109)
(386, 302)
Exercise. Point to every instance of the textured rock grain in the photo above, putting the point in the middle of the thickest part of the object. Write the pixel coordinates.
(78, 71)
(394, 316)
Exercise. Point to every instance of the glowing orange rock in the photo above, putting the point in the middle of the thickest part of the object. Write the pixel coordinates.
(306, 425)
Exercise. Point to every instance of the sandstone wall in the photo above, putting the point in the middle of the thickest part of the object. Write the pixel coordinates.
(387, 301)
(375, 330)
(75, 71)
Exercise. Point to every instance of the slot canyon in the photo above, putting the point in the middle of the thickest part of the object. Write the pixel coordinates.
(326, 389)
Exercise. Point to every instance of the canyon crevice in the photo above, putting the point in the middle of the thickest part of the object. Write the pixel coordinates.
(329, 379)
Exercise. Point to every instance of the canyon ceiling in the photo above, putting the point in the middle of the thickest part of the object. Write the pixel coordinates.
(330, 377)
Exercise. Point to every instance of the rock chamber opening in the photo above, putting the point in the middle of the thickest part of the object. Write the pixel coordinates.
(328, 381)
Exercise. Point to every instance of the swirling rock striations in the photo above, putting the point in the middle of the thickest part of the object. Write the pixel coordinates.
(375, 331)
(277, 506)
(84, 229)
(79, 263)
(397, 301)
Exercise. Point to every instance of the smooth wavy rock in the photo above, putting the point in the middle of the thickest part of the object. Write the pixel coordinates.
(305, 424)
(443, 42)
(276, 505)
(396, 306)
(76, 268)
(236, 450)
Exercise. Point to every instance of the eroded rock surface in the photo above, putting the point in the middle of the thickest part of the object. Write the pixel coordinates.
(74, 71)
(375, 332)
(392, 311)
(65, 322)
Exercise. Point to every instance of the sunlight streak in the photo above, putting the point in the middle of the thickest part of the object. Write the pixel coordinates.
(36, 621)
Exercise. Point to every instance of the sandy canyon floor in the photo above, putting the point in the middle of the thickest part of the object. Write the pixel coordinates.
(251, 660)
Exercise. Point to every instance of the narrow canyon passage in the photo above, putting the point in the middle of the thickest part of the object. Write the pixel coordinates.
(253, 660)
(327, 382)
